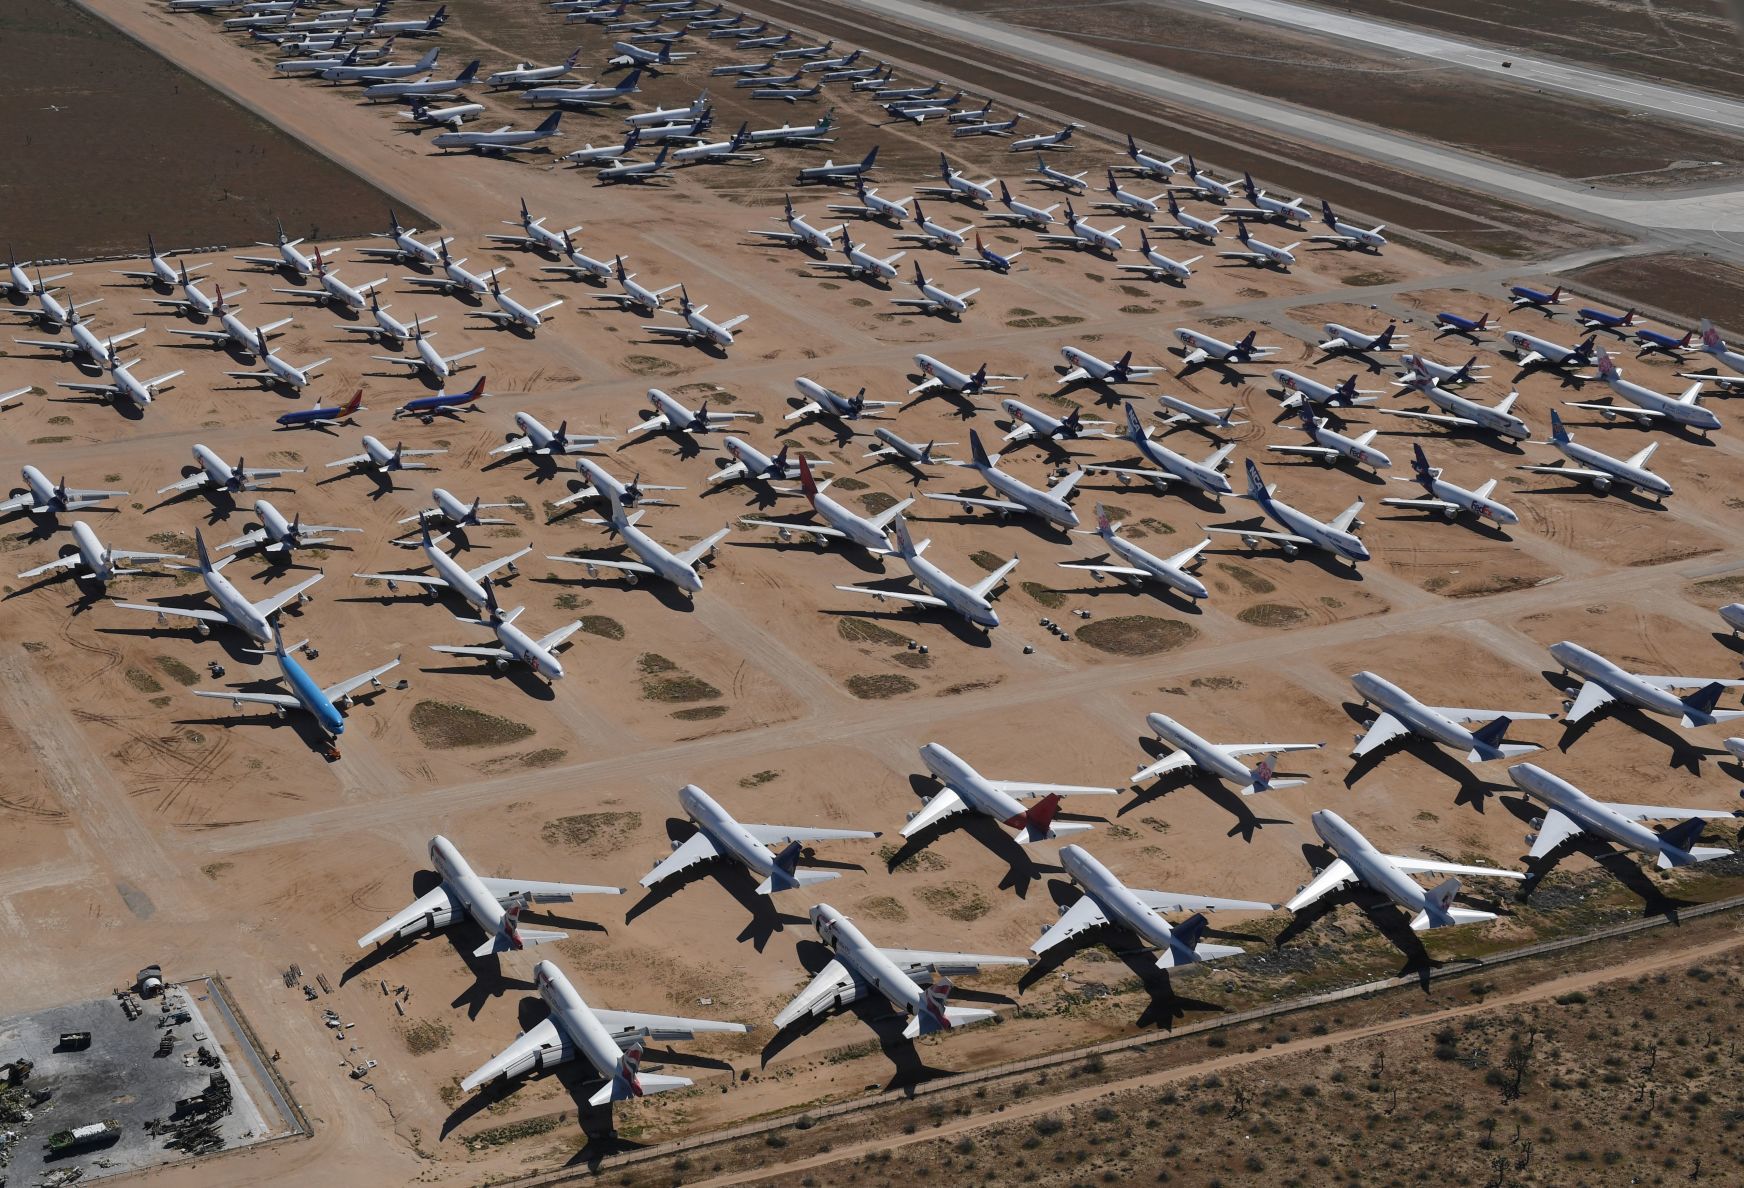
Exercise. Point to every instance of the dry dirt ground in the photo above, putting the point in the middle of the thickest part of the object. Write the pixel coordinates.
(241, 849)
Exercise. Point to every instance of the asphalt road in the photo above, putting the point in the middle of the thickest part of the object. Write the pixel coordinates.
(1719, 212)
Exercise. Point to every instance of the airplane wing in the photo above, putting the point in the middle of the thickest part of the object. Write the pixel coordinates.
(1482, 715)
(632, 1025)
(1630, 411)
(490, 567)
(543, 1036)
(674, 331)
(1557, 828)
(1437, 505)
(417, 579)
(833, 981)
(700, 549)
(208, 335)
(1344, 519)
(279, 699)
(482, 652)
(658, 422)
(1432, 866)
(1289, 537)
(626, 566)
(1173, 761)
(814, 529)
(1170, 901)
(1336, 875)
(937, 809)
(449, 360)
(1386, 728)
(1120, 570)
(1081, 917)
(66, 347)
(780, 835)
(899, 595)
(435, 902)
(915, 962)
(269, 606)
(1664, 812)
(67, 562)
(101, 388)
(1436, 418)
(981, 588)
(1028, 791)
(1592, 696)
(1311, 451)
(1156, 476)
(184, 612)
(558, 636)
(351, 461)
(696, 848)
(1570, 472)
(1005, 505)
(340, 689)
(1236, 750)
(544, 892)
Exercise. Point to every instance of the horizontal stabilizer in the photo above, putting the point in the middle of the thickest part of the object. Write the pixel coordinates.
(1421, 921)
(958, 1017)
(782, 881)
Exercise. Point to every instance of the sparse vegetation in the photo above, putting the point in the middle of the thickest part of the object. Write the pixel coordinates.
(1043, 596)
(699, 713)
(602, 626)
(178, 672)
(426, 1036)
(592, 833)
(959, 901)
(877, 686)
(445, 725)
(1272, 614)
(1137, 635)
(498, 1136)
(143, 681)
(865, 631)
(1250, 581)
(758, 778)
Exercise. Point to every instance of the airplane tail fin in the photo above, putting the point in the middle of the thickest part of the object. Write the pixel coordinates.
(551, 122)
(904, 542)
(1037, 824)
(870, 158)
(1678, 845)
(1558, 433)
(786, 876)
(1489, 745)
(1186, 948)
(1256, 486)
(1134, 429)
(1699, 706)
(1437, 907)
(977, 450)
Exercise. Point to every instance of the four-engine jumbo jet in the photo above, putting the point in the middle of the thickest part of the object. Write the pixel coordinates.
(513, 644)
(326, 705)
(839, 522)
(1358, 861)
(1018, 496)
(1221, 760)
(1335, 536)
(942, 590)
(448, 575)
(505, 139)
(93, 561)
(655, 559)
(611, 1041)
(1600, 469)
(1402, 714)
(1106, 900)
(464, 894)
(860, 968)
(1569, 812)
(718, 835)
(1141, 566)
(1645, 406)
(1603, 682)
(253, 619)
(1171, 467)
(967, 790)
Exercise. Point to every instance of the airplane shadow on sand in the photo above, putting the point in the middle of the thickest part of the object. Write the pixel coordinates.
(1021, 867)
(1620, 864)
(1473, 788)
(1247, 823)
(766, 917)
(1684, 753)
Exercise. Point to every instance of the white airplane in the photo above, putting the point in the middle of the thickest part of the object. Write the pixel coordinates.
(697, 108)
(536, 441)
(1341, 339)
(1032, 424)
(1221, 760)
(535, 235)
(928, 233)
(634, 294)
(1439, 495)
(1570, 812)
(1185, 412)
(17, 282)
(506, 139)
(637, 171)
(43, 498)
(334, 292)
(218, 474)
(578, 264)
(1019, 496)
(868, 532)
(1125, 202)
(1140, 565)
(965, 789)
(425, 88)
(1204, 185)
(599, 484)
(1190, 226)
(455, 278)
(1461, 413)
(192, 303)
(452, 511)
(93, 561)
(1402, 714)
(233, 332)
(587, 95)
(1046, 140)
(861, 264)
(1080, 234)
(511, 313)
(1650, 406)
(941, 375)
(326, 705)
(278, 536)
(1157, 266)
(1603, 682)
(429, 26)
(513, 644)
(1599, 469)
(957, 186)
(829, 404)
(1022, 214)
(1148, 164)
(1712, 344)
(159, 273)
(871, 206)
(934, 299)
(1059, 179)
(654, 559)
(1207, 476)
(611, 1041)
(1106, 900)
(906, 452)
(1421, 371)
(698, 328)
(1258, 251)
(718, 835)
(385, 327)
(1087, 368)
(801, 135)
(1390, 874)
(51, 313)
(1304, 392)
(1349, 235)
(859, 968)
(123, 385)
(84, 341)
(379, 458)
(750, 464)
(670, 416)
(799, 233)
(253, 619)
(1267, 207)
(426, 357)
(277, 370)
(462, 894)
(525, 74)
(451, 117)
(715, 151)
(1334, 536)
(448, 574)
(289, 259)
(1201, 347)
(1327, 445)
(1529, 349)
(407, 247)
(942, 590)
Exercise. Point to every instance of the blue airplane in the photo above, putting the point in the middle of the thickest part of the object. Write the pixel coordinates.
(1525, 298)
(1603, 319)
(1652, 342)
(447, 403)
(992, 259)
(324, 705)
(323, 418)
(1461, 327)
